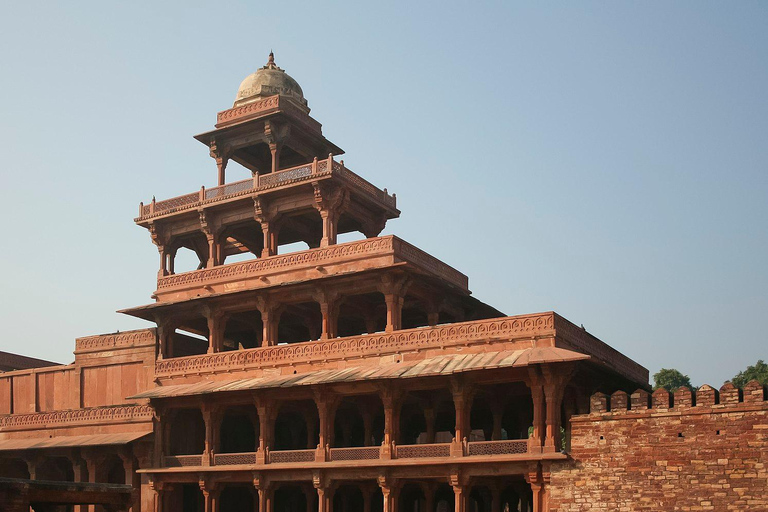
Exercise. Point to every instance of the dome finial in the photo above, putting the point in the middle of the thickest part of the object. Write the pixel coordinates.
(271, 62)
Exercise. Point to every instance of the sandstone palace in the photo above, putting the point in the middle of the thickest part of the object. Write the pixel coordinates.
(290, 372)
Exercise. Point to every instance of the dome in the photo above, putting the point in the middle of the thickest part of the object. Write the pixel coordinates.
(268, 81)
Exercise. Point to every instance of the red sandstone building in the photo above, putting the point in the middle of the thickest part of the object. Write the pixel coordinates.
(358, 376)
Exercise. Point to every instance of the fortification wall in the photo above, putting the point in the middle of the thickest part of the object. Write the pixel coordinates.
(107, 368)
(706, 450)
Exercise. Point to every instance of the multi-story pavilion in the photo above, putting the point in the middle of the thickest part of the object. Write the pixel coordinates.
(290, 372)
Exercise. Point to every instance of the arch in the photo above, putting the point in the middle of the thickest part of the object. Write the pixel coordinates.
(359, 421)
(427, 417)
(243, 329)
(296, 426)
(113, 470)
(362, 314)
(239, 430)
(290, 498)
(517, 417)
(481, 418)
(444, 498)
(187, 432)
(14, 468)
(300, 322)
(57, 469)
(347, 498)
(238, 498)
(411, 498)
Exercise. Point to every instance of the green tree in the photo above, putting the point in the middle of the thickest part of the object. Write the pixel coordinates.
(670, 379)
(757, 372)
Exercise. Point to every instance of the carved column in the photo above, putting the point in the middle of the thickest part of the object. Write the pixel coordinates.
(429, 417)
(391, 399)
(555, 380)
(394, 291)
(210, 494)
(221, 155)
(367, 427)
(326, 410)
(389, 493)
(329, 201)
(159, 490)
(536, 439)
(165, 330)
(329, 309)
(324, 499)
(266, 410)
(163, 261)
(462, 403)
(211, 235)
(495, 498)
(460, 492)
(270, 319)
(497, 410)
(211, 417)
(270, 226)
(264, 487)
(429, 497)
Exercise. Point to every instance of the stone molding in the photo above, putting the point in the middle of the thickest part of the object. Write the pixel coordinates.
(125, 339)
(38, 420)
(253, 187)
(381, 344)
(313, 257)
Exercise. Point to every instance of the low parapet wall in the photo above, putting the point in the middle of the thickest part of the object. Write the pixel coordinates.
(703, 450)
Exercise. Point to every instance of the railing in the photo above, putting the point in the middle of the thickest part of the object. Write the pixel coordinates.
(356, 453)
(506, 447)
(117, 414)
(288, 456)
(301, 173)
(233, 459)
(183, 461)
(381, 344)
(412, 451)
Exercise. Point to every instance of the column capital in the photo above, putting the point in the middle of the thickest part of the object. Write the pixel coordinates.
(260, 481)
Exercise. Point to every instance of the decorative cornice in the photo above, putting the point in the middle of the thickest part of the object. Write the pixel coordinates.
(465, 333)
(37, 420)
(117, 340)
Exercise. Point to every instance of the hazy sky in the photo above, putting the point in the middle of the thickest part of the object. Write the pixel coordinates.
(604, 160)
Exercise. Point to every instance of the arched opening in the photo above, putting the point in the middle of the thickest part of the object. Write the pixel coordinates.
(444, 498)
(240, 242)
(411, 499)
(359, 421)
(348, 498)
(300, 231)
(238, 498)
(481, 419)
(239, 430)
(113, 470)
(187, 253)
(427, 417)
(300, 322)
(516, 497)
(479, 499)
(290, 498)
(361, 314)
(57, 469)
(518, 411)
(189, 498)
(187, 433)
(414, 313)
(243, 330)
(296, 426)
(14, 468)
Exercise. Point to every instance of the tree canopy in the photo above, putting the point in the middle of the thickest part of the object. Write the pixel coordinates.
(757, 372)
(670, 379)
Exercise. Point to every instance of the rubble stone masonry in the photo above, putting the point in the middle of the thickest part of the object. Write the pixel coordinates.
(706, 450)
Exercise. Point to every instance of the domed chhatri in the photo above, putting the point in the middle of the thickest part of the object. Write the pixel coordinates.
(268, 81)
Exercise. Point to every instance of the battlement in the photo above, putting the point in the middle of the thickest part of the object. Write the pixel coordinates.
(661, 400)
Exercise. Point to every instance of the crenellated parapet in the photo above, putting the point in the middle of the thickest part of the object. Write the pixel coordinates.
(682, 399)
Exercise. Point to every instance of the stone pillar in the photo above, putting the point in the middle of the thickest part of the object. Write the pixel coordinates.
(172, 262)
(390, 398)
(389, 493)
(159, 490)
(266, 410)
(274, 149)
(460, 492)
(535, 440)
(217, 322)
(462, 403)
(163, 261)
(329, 310)
(326, 411)
(211, 420)
(324, 498)
(210, 495)
(394, 303)
(554, 389)
(366, 492)
(367, 427)
(429, 417)
(264, 488)
(330, 222)
(497, 409)
(495, 498)
(270, 319)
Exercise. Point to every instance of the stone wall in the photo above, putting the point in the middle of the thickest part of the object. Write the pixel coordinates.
(706, 450)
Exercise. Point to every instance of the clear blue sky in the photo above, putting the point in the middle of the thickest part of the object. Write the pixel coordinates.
(604, 160)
